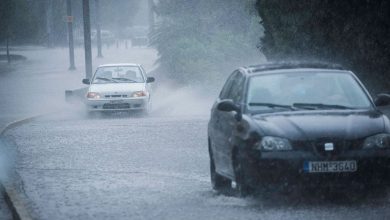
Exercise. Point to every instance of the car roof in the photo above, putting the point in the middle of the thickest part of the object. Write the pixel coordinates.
(119, 64)
(297, 70)
(292, 67)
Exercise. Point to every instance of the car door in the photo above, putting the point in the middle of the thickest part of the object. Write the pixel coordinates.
(215, 127)
(225, 124)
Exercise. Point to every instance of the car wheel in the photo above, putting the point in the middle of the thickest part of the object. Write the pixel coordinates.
(242, 186)
(148, 109)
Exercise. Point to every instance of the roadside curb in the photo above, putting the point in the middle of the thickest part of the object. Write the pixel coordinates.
(16, 201)
(19, 122)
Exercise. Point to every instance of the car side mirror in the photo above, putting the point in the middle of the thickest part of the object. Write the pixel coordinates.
(382, 100)
(86, 81)
(150, 79)
(229, 106)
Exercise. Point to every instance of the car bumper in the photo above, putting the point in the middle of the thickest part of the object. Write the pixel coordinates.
(373, 167)
(117, 104)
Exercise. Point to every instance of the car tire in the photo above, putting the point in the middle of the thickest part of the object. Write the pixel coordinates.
(148, 109)
(218, 182)
(241, 175)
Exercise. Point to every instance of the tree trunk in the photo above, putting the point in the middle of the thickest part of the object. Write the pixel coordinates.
(8, 55)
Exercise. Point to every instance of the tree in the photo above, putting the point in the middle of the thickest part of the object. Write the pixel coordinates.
(203, 41)
(16, 22)
(350, 32)
(27, 22)
(6, 11)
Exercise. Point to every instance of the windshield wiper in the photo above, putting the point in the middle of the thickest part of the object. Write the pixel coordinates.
(271, 105)
(125, 79)
(313, 106)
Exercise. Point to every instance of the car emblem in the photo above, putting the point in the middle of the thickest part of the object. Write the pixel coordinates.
(329, 146)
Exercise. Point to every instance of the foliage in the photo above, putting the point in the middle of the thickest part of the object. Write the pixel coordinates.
(16, 20)
(29, 21)
(118, 13)
(202, 41)
(354, 33)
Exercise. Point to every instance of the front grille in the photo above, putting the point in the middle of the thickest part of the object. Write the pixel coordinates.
(116, 106)
(318, 146)
(338, 147)
(115, 96)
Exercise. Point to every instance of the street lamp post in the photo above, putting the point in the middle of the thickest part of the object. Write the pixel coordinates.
(87, 40)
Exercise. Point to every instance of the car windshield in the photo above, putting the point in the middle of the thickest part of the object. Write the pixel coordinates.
(118, 74)
(308, 90)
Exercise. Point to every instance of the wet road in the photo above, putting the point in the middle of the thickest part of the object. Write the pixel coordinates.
(37, 85)
(130, 167)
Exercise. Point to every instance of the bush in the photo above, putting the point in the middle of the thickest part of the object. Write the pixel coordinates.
(200, 42)
(353, 33)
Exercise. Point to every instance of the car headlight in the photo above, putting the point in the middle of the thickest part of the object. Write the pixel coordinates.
(377, 141)
(93, 95)
(269, 143)
(139, 94)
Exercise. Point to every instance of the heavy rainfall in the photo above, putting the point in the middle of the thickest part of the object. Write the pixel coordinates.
(194, 109)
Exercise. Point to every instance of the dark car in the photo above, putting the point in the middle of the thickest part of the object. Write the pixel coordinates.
(283, 124)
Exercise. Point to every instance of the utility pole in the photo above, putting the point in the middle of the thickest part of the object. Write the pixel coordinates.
(70, 34)
(87, 40)
(98, 30)
(151, 15)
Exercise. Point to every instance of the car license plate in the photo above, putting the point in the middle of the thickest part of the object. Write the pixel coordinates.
(116, 101)
(329, 166)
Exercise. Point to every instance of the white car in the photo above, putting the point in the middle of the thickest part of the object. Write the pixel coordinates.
(119, 87)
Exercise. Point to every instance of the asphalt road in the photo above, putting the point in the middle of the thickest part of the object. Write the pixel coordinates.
(37, 86)
(130, 167)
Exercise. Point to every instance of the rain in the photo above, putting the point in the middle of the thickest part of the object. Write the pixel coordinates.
(111, 109)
